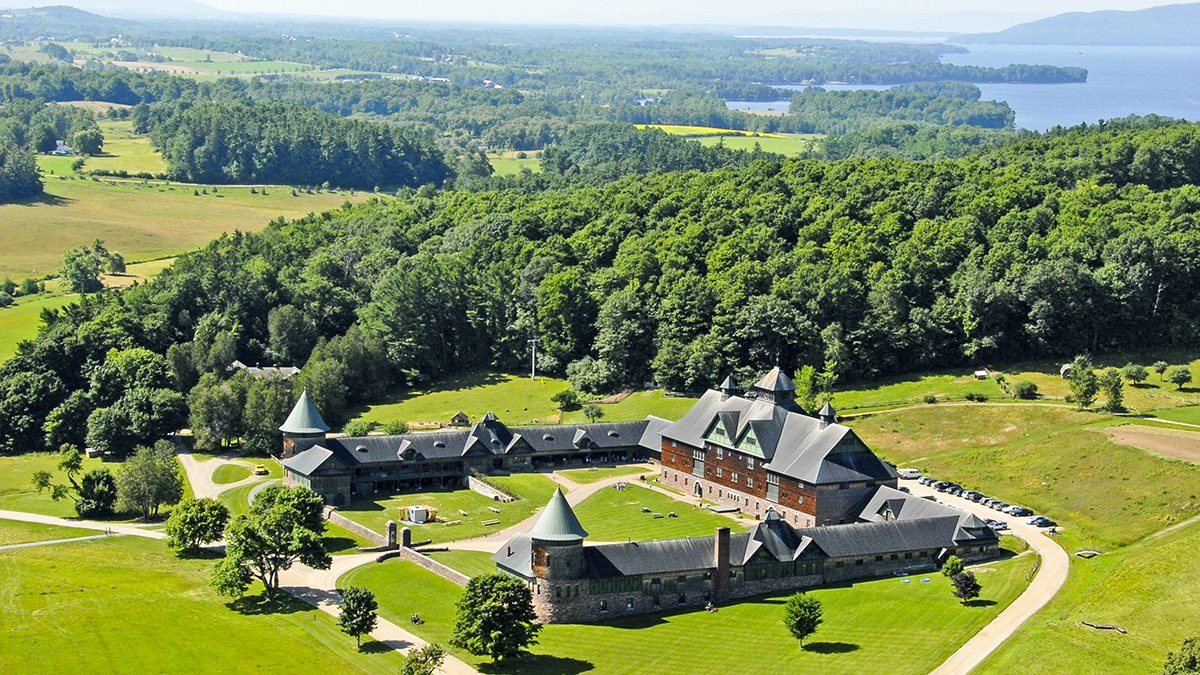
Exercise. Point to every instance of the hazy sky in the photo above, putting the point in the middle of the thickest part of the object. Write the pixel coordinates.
(849, 13)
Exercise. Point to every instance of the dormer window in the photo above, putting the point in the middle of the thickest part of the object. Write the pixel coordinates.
(439, 444)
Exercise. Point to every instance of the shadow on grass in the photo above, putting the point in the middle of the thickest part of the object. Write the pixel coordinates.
(335, 545)
(979, 603)
(831, 647)
(44, 199)
(252, 605)
(215, 553)
(538, 664)
(377, 647)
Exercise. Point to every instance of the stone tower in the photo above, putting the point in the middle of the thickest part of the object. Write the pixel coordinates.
(303, 428)
(557, 559)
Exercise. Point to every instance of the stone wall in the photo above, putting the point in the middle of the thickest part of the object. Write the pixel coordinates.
(489, 491)
(432, 565)
(377, 538)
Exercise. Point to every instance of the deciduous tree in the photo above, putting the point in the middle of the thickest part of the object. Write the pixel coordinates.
(495, 617)
(952, 566)
(802, 615)
(1186, 661)
(1083, 381)
(1179, 376)
(357, 617)
(195, 522)
(966, 586)
(423, 661)
(1112, 384)
(149, 479)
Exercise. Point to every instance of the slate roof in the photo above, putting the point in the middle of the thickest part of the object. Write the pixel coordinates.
(304, 418)
(558, 522)
(888, 504)
(776, 380)
(792, 443)
(663, 556)
(311, 460)
(493, 437)
(652, 435)
(881, 538)
(516, 555)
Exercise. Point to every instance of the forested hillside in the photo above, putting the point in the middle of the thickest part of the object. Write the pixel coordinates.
(1081, 240)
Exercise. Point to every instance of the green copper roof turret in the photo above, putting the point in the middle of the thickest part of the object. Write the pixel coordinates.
(558, 522)
(304, 418)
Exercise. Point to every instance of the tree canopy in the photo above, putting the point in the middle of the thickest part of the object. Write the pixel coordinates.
(495, 617)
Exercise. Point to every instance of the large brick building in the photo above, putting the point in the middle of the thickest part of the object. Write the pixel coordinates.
(762, 451)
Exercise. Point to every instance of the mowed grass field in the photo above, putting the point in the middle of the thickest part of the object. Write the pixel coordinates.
(616, 515)
(141, 221)
(533, 490)
(600, 473)
(882, 626)
(17, 532)
(508, 164)
(22, 320)
(739, 139)
(125, 151)
(128, 605)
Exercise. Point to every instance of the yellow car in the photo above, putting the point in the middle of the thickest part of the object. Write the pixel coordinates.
(260, 470)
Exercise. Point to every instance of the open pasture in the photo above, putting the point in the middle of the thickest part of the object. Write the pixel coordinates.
(22, 320)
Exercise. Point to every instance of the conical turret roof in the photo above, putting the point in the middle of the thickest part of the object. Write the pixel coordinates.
(827, 413)
(558, 522)
(304, 418)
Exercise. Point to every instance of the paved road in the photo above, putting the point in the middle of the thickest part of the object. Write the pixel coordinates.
(48, 542)
(199, 473)
(115, 528)
(1050, 577)
(319, 588)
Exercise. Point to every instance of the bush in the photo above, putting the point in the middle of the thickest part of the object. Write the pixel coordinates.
(930, 398)
(952, 566)
(567, 399)
(395, 427)
(358, 428)
(972, 396)
(5, 299)
(1025, 390)
(29, 286)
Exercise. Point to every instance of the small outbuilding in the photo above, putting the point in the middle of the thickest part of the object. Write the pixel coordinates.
(460, 419)
(981, 374)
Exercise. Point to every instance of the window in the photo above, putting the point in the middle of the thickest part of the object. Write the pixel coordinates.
(720, 453)
(749, 462)
(859, 562)
(719, 472)
(680, 579)
(878, 558)
(734, 476)
(603, 605)
(838, 564)
(895, 556)
(749, 482)
(682, 599)
(629, 604)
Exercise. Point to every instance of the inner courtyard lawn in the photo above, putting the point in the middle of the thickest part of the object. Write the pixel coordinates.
(128, 605)
(881, 626)
(375, 513)
(616, 515)
(600, 473)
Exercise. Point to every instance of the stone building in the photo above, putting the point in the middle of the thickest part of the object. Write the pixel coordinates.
(573, 582)
(341, 468)
(762, 451)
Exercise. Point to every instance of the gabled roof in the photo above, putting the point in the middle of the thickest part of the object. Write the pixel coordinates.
(651, 437)
(304, 418)
(313, 460)
(558, 522)
(888, 504)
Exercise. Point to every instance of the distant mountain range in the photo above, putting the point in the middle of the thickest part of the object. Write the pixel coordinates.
(59, 23)
(1167, 25)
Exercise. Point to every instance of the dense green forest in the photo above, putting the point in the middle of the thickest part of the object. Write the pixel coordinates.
(28, 127)
(836, 112)
(1084, 239)
(274, 142)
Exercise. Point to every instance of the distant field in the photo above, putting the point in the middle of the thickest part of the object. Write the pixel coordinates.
(881, 626)
(128, 604)
(141, 221)
(126, 151)
(637, 406)
(22, 320)
(96, 106)
(689, 130)
(514, 399)
(507, 164)
(784, 146)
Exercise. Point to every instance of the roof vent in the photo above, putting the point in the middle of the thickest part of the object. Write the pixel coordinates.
(547, 437)
(439, 444)
(613, 434)
(361, 448)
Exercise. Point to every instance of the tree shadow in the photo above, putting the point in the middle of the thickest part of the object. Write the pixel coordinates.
(44, 199)
(201, 554)
(538, 664)
(831, 647)
(254, 605)
(334, 545)
(376, 647)
(979, 603)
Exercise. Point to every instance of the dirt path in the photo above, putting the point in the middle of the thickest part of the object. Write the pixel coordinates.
(1171, 442)
(1050, 577)
(56, 541)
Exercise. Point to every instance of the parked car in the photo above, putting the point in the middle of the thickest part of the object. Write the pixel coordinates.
(909, 474)
(973, 495)
(954, 490)
(1019, 511)
(941, 485)
(926, 480)
(260, 470)
(999, 506)
(987, 501)
(996, 525)
(1041, 521)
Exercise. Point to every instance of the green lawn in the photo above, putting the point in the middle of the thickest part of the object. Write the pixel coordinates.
(230, 473)
(507, 165)
(636, 406)
(126, 151)
(514, 399)
(237, 500)
(911, 389)
(616, 515)
(882, 626)
(790, 146)
(140, 221)
(128, 605)
(17, 532)
(1142, 588)
(600, 473)
(1048, 459)
(16, 483)
(338, 540)
(22, 320)
(1189, 414)
(533, 487)
(470, 563)
(375, 514)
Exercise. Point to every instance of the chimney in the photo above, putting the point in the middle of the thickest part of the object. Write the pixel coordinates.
(720, 584)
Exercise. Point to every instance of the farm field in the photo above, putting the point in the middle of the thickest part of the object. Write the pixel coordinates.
(690, 130)
(374, 514)
(125, 151)
(912, 389)
(616, 515)
(874, 626)
(1048, 459)
(127, 604)
(507, 163)
(22, 320)
(514, 399)
(141, 221)
(16, 483)
(785, 144)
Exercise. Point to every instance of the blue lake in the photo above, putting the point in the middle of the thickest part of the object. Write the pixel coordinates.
(1121, 81)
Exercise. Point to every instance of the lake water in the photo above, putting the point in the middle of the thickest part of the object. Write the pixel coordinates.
(1121, 81)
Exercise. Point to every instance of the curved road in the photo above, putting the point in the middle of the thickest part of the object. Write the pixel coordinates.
(1050, 577)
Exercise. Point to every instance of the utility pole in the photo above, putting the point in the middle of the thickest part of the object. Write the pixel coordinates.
(533, 343)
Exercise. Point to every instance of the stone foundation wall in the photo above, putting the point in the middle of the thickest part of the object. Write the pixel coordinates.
(432, 565)
(489, 491)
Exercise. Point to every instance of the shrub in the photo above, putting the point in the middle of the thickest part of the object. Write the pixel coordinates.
(952, 566)
(930, 398)
(5, 299)
(1025, 390)
(395, 427)
(972, 396)
(358, 427)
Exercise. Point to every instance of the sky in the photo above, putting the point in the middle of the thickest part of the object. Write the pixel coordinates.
(875, 14)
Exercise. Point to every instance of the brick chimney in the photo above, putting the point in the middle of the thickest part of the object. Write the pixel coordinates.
(720, 585)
